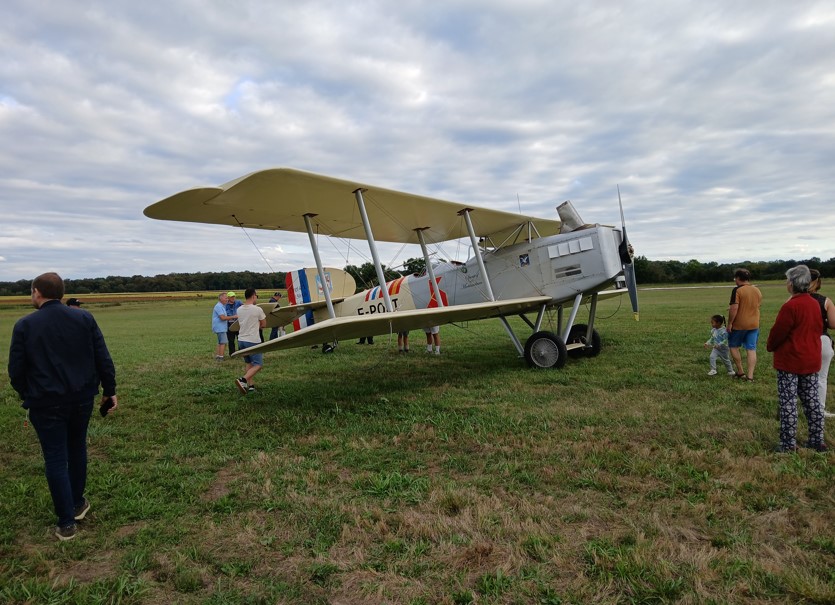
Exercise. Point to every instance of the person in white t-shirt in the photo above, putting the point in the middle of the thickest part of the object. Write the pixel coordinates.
(251, 319)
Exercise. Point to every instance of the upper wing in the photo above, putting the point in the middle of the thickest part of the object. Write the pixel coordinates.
(279, 198)
(343, 328)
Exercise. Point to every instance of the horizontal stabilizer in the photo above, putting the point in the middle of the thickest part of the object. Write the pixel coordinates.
(267, 307)
(278, 317)
(284, 315)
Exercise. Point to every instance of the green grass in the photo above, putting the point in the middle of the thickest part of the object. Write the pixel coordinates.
(370, 477)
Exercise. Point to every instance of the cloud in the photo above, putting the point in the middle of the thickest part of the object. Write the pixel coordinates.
(715, 119)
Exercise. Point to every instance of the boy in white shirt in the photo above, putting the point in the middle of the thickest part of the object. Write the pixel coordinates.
(251, 319)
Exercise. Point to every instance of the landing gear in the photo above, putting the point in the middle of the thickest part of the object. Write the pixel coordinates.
(579, 334)
(545, 350)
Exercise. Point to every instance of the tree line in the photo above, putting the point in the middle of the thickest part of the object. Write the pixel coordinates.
(647, 272)
(695, 272)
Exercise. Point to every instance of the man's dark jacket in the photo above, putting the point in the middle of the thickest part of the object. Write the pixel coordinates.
(58, 357)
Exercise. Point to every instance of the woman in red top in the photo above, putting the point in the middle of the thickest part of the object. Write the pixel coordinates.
(795, 341)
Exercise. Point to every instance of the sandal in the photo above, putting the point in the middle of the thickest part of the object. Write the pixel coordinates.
(749, 379)
(739, 375)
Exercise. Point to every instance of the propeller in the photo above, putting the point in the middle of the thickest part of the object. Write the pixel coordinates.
(626, 253)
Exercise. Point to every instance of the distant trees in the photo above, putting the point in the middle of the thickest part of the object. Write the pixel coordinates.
(172, 282)
(366, 275)
(414, 266)
(695, 272)
(647, 272)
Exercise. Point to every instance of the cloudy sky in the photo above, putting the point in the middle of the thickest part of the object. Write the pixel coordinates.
(715, 118)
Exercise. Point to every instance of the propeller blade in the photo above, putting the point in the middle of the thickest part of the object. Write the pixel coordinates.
(626, 253)
(632, 286)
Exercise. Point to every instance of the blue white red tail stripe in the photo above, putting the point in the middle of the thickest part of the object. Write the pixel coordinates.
(298, 292)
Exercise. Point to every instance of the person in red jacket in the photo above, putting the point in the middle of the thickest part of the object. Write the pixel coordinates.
(795, 341)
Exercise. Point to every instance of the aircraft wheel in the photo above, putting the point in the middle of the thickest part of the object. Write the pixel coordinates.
(578, 334)
(545, 350)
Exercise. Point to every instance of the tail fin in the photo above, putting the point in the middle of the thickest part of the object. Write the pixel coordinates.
(304, 286)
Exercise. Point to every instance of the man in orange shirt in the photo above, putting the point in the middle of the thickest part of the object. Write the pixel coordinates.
(744, 323)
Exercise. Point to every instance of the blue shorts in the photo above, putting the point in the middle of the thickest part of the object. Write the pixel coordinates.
(256, 359)
(222, 339)
(747, 339)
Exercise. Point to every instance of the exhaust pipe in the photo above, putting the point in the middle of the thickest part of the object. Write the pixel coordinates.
(570, 218)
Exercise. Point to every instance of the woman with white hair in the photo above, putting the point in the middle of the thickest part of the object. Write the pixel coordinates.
(827, 347)
(795, 341)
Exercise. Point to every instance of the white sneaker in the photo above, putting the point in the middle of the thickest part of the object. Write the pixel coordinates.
(712, 373)
(829, 414)
(731, 373)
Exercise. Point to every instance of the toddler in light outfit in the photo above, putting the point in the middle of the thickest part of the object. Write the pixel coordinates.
(718, 344)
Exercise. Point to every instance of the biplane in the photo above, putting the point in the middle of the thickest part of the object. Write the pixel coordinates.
(519, 265)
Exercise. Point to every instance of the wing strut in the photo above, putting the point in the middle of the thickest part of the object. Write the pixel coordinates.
(381, 278)
(572, 316)
(433, 284)
(477, 251)
(539, 317)
(474, 240)
(319, 267)
(592, 313)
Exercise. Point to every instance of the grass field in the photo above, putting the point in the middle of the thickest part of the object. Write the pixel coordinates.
(370, 477)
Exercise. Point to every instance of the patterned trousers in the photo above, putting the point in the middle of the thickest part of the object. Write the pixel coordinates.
(791, 387)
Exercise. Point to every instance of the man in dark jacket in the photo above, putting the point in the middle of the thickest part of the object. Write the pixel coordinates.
(57, 360)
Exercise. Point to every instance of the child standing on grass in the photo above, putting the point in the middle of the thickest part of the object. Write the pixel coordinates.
(718, 343)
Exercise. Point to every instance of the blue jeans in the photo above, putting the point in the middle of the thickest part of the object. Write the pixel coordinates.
(62, 431)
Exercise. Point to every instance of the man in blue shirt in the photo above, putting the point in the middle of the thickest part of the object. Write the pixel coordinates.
(232, 305)
(57, 360)
(220, 324)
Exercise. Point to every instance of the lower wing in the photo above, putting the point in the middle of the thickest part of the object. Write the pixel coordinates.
(604, 294)
(343, 328)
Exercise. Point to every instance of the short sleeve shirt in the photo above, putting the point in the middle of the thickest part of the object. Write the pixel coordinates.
(218, 324)
(748, 298)
(249, 320)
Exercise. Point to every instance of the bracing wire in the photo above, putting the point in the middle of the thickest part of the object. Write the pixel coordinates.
(620, 303)
(254, 245)
(396, 254)
(346, 256)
